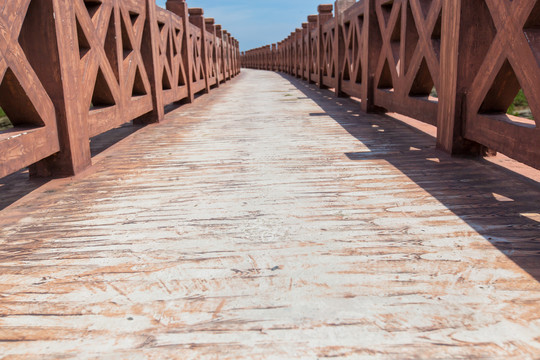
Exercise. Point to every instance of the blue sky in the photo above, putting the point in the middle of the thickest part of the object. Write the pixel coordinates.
(257, 22)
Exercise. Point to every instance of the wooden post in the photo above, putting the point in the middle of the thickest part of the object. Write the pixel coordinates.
(278, 56)
(339, 49)
(292, 47)
(457, 58)
(227, 50)
(180, 8)
(219, 37)
(64, 59)
(273, 50)
(372, 49)
(211, 28)
(312, 24)
(325, 14)
(233, 51)
(304, 52)
(298, 53)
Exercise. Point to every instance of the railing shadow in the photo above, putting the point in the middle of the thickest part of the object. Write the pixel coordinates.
(18, 185)
(499, 206)
(102, 142)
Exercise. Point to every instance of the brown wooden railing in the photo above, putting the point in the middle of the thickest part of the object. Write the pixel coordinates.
(73, 69)
(455, 64)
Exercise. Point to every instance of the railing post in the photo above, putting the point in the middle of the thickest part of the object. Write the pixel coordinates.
(457, 57)
(196, 17)
(211, 28)
(150, 54)
(264, 61)
(219, 38)
(274, 57)
(63, 62)
(278, 56)
(226, 38)
(287, 55)
(180, 8)
(233, 51)
(372, 37)
(291, 53)
(264, 58)
(239, 67)
(283, 47)
(225, 55)
(325, 14)
(339, 49)
(312, 24)
(231, 42)
(304, 51)
(298, 59)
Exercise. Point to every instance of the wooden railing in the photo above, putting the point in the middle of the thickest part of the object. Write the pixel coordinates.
(455, 64)
(73, 69)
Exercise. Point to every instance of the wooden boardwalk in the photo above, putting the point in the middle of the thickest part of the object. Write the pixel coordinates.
(269, 220)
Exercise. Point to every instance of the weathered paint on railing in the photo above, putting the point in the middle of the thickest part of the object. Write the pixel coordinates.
(392, 54)
(74, 69)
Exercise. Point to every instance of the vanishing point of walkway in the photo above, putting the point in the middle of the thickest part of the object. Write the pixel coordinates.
(269, 220)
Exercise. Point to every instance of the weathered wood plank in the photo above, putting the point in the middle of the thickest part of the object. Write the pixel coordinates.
(306, 229)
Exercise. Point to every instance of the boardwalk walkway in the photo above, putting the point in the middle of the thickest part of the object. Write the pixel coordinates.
(270, 220)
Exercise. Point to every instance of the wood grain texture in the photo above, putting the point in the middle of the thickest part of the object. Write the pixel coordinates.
(305, 230)
(510, 63)
(23, 96)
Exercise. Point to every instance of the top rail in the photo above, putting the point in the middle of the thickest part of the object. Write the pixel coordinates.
(457, 65)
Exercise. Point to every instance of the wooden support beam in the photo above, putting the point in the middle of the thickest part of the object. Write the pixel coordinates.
(458, 56)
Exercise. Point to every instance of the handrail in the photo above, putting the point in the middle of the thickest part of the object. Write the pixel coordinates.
(454, 64)
(73, 69)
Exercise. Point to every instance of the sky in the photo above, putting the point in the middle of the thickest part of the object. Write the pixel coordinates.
(257, 22)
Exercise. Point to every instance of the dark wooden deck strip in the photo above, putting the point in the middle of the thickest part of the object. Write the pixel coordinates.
(270, 220)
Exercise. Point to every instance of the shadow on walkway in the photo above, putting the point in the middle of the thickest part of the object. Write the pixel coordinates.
(18, 185)
(500, 206)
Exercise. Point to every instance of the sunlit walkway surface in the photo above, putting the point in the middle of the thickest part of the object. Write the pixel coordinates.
(270, 220)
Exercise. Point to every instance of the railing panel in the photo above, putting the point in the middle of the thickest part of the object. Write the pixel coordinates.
(511, 63)
(314, 56)
(408, 69)
(172, 66)
(306, 51)
(354, 46)
(328, 65)
(219, 55)
(226, 55)
(211, 58)
(197, 69)
(298, 53)
(23, 96)
(113, 79)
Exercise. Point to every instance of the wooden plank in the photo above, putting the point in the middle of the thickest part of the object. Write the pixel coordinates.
(306, 230)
